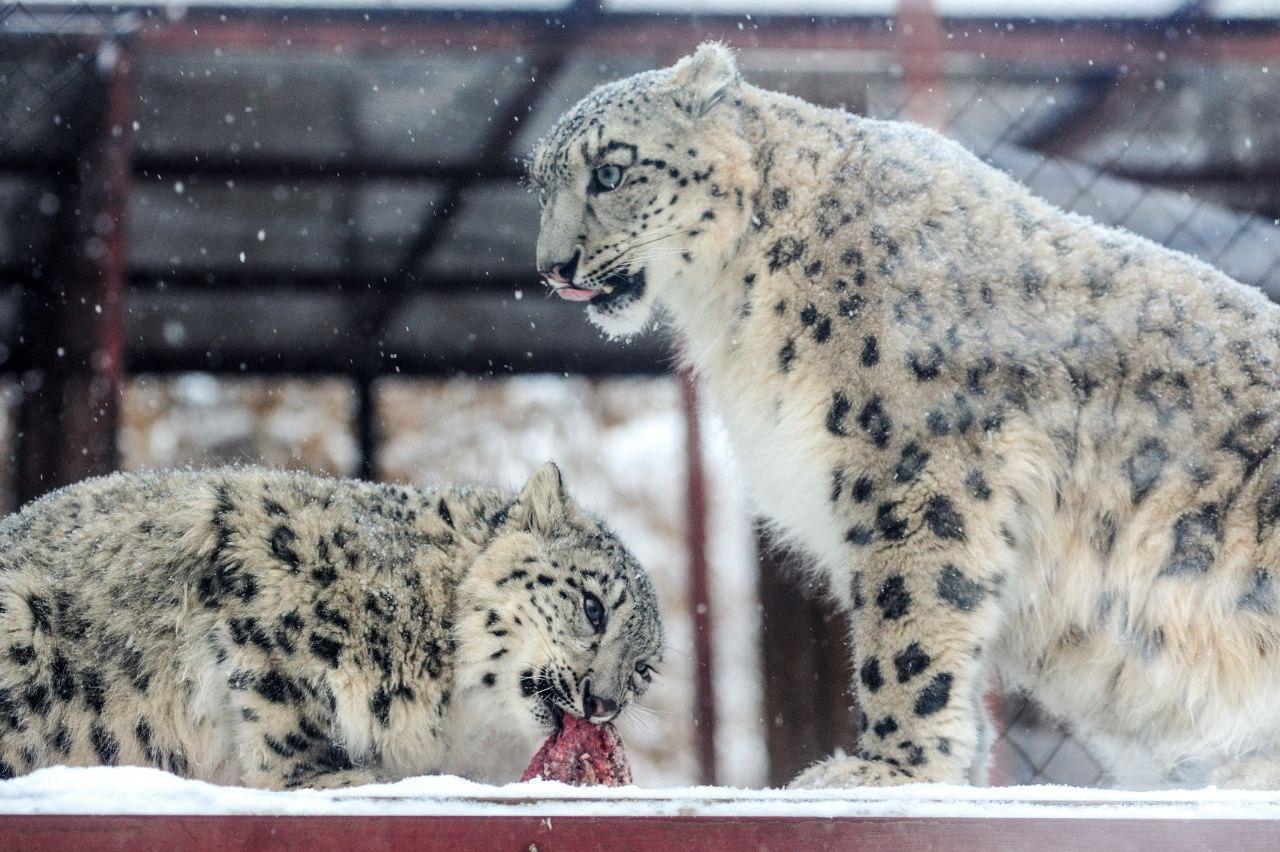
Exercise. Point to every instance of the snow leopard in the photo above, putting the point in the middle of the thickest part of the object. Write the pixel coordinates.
(1013, 441)
(284, 630)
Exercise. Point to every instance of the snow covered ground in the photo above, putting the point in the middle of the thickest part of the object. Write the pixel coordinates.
(132, 790)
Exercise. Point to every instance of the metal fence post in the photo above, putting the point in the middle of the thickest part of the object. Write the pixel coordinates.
(73, 323)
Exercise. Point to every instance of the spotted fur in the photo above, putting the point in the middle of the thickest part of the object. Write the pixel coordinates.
(283, 630)
(1011, 438)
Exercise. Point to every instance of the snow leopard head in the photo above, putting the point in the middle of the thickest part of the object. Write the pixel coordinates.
(556, 615)
(644, 187)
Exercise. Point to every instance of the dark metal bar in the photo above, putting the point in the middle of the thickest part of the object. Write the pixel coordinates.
(704, 717)
(1115, 89)
(1075, 121)
(366, 408)
(366, 428)
(1229, 176)
(613, 362)
(73, 324)
(221, 166)
(349, 282)
(236, 340)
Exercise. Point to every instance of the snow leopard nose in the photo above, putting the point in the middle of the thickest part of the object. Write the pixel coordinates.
(595, 707)
(562, 272)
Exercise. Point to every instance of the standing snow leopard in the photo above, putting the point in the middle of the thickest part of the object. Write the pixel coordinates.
(1013, 439)
(285, 630)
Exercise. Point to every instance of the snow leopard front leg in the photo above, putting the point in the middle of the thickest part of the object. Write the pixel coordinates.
(922, 588)
(286, 737)
(285, 732)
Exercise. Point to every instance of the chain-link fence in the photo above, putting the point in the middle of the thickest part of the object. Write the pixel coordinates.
(47, 59)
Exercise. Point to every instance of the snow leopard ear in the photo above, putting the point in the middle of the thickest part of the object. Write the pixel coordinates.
(705, 79)
(543, 498)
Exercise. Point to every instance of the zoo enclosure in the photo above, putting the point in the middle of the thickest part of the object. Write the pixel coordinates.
(125, 135)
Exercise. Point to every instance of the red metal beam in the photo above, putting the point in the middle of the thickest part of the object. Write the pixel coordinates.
(998, 765)
(921, 51)
(704, 717)
(288, 32)
(47, 833)
(1006, 39)
(1073, 42)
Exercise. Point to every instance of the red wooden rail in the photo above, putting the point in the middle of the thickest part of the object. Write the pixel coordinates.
(320, 833)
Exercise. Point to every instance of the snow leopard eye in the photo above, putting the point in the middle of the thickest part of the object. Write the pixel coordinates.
(606, 178)
(594, 611)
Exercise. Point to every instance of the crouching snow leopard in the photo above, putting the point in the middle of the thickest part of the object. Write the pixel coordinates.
(284, 630)
(1013, 439)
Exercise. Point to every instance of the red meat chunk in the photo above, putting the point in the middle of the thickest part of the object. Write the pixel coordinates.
(581, 753)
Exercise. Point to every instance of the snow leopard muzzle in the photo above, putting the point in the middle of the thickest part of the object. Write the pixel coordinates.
(618, 291)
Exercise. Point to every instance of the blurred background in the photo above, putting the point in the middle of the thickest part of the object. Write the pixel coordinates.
(294, 234)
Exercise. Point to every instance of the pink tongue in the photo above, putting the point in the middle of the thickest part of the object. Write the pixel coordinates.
(573, 294)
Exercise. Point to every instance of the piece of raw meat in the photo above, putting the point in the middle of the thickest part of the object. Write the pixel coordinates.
(583, 754)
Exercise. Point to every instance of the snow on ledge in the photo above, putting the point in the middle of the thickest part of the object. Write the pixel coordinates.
(135, 790)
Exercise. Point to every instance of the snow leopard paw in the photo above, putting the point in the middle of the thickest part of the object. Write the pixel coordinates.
(843, 771)
(1254, 772)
